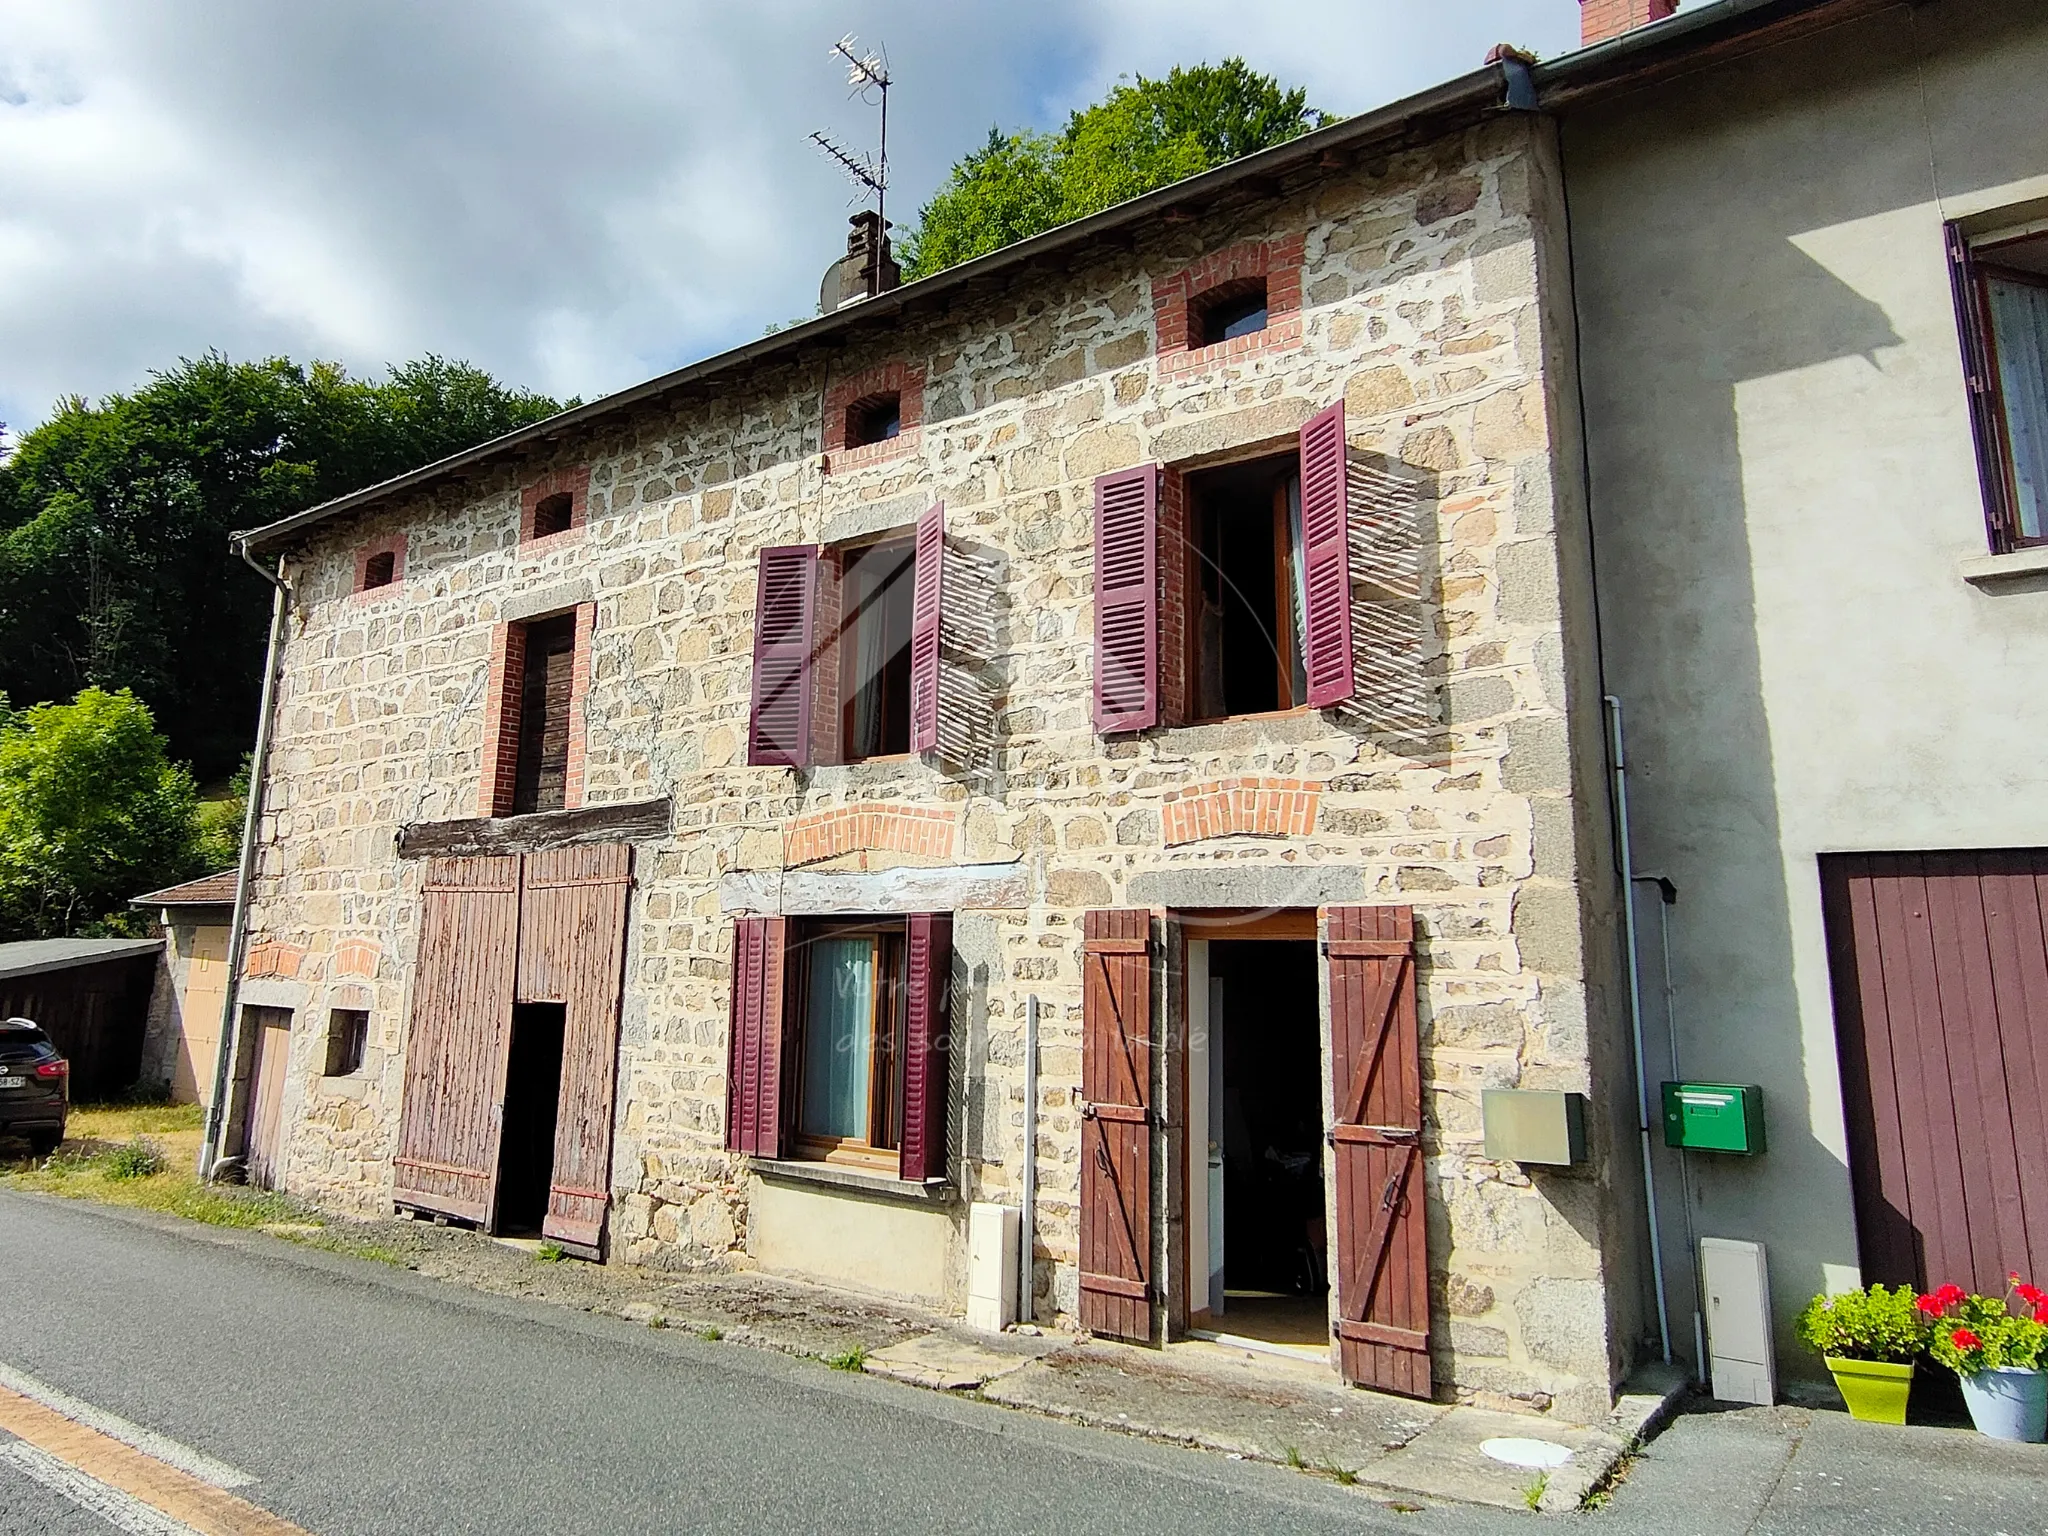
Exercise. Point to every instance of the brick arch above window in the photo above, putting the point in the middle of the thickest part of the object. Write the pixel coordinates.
(542, 512)
(380, 564)
(873, 828)
(859, 395)
(1180, 298)
(1243, 807)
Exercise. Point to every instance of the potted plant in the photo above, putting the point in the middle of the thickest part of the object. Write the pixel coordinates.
(1999, 1353)
(1870, 1340)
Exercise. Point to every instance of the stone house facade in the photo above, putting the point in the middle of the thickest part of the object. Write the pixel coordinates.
(1397, 266)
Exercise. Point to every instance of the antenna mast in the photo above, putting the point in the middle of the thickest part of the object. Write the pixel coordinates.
(865, 72)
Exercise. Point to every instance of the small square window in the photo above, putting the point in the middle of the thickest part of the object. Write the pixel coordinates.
(348, 1033)
(875, 419)
(850, 1029)
(554, 514)
(1233, 310)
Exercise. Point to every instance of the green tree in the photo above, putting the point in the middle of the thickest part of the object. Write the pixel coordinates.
(92, 813)
(1142, 136)
(115, 570)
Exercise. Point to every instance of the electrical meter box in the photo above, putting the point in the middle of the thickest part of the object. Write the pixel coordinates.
(1714, 1117)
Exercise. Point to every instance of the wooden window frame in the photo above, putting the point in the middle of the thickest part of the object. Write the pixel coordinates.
(1990, 423)
(1191, 573)
(888, 1021)
(845, 642)
(348, 1035)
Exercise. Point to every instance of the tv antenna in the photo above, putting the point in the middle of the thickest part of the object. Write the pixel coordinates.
(866, 73)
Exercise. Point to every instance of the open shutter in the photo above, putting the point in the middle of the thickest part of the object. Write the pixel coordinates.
(927, 599)
(1382, 1222)
(457, 1047)
(753, 1101)
(572, 950)
(928, 974)
(1127, 600)
(1986, 423)
(1116, 1124)
(1326, 559)
(784, 612)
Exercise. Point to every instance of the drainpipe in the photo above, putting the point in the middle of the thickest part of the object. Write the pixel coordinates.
(1027, 1277)
(238, 929)
(1635, 1017)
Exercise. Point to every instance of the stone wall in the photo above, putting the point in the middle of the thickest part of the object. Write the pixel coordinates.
(1419, 309)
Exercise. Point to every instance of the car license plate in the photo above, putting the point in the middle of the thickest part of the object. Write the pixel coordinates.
(13, 1082)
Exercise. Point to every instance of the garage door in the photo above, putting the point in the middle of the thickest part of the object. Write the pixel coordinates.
(1940, 969)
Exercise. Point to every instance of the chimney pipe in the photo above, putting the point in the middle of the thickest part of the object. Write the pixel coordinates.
(869, 268)
(1600, 20)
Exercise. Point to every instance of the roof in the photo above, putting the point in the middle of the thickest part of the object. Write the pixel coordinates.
(207, 891)
(31, 957)
(1504, 86)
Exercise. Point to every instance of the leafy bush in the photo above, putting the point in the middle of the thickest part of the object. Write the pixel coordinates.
(1871, 1324)
(1982, 1333)
(139, 1159)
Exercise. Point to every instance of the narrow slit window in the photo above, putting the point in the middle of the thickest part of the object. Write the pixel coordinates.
(875, 419)
(554, 514)
(877, 599)
(348, 1035)
(1233, 310)
(541, 782)
(1246, 621)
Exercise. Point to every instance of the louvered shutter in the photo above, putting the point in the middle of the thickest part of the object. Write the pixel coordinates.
(928, 973)
(753, 1098)
(927, 601)
(1376, 1136)
(784, 611)
(1326, 559)
(1985, 423)
(1116, 1124)
(1127, 600)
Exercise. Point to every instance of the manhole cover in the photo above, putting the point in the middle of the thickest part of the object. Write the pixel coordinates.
(1541, 1454)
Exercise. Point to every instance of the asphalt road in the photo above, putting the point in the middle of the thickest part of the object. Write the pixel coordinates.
(366, 1399)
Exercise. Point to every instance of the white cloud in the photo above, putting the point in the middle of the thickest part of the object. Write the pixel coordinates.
(574, 197)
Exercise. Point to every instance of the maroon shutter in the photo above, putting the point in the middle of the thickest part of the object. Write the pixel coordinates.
(1382, 1222)
(1127, 600)
(1326, 559)
(926, 603)
(928, 972)
(1116, 1124)
(753, 1098)
(1987, 424)
(784, 608)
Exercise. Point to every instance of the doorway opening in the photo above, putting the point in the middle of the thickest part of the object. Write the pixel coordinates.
(533, 1093)
(1259, 1269)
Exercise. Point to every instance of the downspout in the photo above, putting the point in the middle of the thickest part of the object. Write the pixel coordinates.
(1635, 1017)
(238, 928)
(1027, 1236)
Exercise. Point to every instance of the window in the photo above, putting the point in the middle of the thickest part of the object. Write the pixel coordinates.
(876, 589)
(553, 514)
(348, 1032)
(379, 569)
(544, 698)
(380, 564)
(2002, 289)
(849, 1070)
(1245, 609)
(874, 419)
(1232, 310)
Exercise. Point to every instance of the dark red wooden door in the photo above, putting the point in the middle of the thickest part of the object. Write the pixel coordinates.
(572, 950)
(1940, 970)
(1382, 1225)
(455, 1052)
(1116, 1124)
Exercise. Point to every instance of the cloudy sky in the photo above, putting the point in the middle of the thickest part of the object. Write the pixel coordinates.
(575, 194)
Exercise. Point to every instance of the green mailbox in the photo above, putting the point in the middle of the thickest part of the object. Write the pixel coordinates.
(1714, 1117)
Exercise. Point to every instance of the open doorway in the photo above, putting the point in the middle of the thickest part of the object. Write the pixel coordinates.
(1260, 1260)
(533, 1093)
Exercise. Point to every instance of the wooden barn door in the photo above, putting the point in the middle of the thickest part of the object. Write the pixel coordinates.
(572, 950)
(1376, 1135)
(263, 1144)
(1116, 1124)
(450, 1123)
(1940, 971)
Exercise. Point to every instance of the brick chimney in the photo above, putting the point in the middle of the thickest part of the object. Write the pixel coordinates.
(1601, 19)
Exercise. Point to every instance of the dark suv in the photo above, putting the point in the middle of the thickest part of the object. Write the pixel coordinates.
(34, 1086)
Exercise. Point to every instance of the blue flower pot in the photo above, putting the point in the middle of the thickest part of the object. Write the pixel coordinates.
(2008, 1403)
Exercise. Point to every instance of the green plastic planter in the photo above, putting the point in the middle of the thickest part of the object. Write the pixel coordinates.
(1875, 1390)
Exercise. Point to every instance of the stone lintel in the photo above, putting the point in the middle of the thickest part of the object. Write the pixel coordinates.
(815, 893)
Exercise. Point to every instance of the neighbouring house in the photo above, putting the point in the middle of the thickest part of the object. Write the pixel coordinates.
(91, 997)
(185, 1007)
(1812, 283)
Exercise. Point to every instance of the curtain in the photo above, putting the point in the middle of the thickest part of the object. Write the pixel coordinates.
(838, 1016)
(1297, 589)
(864, 602)
(2019, 323)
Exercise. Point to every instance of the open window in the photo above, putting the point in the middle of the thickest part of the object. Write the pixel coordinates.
(1229, 311)
(533, 741)
(876, 595)
(2002, 296)
(381, 564)
(1245, 618)
(874, 419)
(553, 514)
(348, 1034)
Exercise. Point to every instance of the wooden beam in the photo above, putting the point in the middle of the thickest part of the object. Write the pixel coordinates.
(638, 821)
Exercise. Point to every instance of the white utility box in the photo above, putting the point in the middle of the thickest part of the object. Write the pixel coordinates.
(1738, 1290)
(991, 1266)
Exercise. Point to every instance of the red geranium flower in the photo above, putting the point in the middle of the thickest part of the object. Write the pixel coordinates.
(2032, 1295)
(1962, 1338)
(2041, 1314)
(1949, 1295)
(1930, 1306)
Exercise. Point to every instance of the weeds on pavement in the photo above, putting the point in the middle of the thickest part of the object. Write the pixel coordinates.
(549, 1252)
(854, 1359)
(1294, 1459)
(1538, 1486)
(712, 1334)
